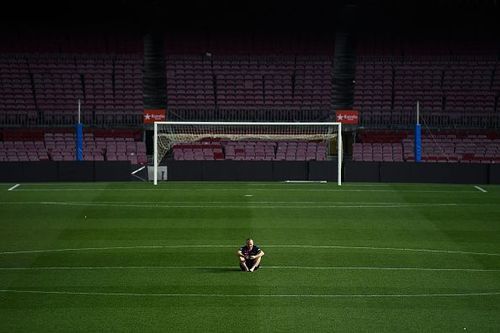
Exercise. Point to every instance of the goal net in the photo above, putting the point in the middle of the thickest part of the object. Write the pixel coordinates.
(168, 134)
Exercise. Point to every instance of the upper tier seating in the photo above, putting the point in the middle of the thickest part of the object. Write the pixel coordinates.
(45, 89)
(249, 82)
(457, 82)
(452, 91)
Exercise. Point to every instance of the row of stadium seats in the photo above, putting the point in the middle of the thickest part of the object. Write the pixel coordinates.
(388, 88)
(251, 151)
(61, 147)
(465, 148)
(44, 89)
(257, 81)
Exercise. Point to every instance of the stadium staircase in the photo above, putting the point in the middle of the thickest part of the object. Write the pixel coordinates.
(344, 69)
(155, 82)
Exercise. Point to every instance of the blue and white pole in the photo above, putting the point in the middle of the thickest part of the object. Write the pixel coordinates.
(79, 137)
(418, 137)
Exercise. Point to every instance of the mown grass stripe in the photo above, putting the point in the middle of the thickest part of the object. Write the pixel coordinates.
(83, 293)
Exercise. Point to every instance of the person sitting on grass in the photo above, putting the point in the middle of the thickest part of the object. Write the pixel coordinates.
(250, 256)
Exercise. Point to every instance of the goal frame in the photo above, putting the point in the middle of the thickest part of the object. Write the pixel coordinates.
(221, 123)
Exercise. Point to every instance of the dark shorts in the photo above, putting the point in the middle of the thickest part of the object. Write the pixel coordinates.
(249, 264)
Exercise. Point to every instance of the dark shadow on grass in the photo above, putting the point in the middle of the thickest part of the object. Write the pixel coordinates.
(221, 270)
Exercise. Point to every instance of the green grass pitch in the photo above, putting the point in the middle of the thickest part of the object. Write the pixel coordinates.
(355, 258)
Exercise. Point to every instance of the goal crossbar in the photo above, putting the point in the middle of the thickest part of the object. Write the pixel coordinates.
(260, 135)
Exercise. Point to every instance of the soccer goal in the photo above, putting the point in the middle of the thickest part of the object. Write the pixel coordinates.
(169, 133)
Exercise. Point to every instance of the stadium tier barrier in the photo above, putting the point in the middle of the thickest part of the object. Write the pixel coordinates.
(403, 172)
(230, 170)
(50, 171)
(326, 170)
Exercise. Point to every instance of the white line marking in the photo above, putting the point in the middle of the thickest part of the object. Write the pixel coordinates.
(136, 171)
(237, 189)
(384, 249)
(321, 268)
(248, 195)
(14, 187)
(106, 248)
(255, 205)
(235, 202)
(364, 268)
(305, 181)
(481, 189)
(82, 293)
(277, 184)
(201, 246)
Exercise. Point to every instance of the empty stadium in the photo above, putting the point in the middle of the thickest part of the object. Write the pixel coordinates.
(356, 142)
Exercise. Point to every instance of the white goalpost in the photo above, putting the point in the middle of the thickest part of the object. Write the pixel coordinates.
(169, 133)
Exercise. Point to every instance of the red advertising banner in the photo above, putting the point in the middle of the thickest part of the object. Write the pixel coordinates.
(349, 117)
(152, 115)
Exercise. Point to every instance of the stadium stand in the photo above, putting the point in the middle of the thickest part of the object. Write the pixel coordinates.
(41, 80)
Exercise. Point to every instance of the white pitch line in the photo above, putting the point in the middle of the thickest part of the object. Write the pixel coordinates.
(481, 189)
(385, 249)
(82, 293)
(235, 268)
(202, 246)
(14, 187)
(256, 184)
(136, 171)
(236, 205)
(237, 189)
(305, 181)
(233, 202)
(374, 268)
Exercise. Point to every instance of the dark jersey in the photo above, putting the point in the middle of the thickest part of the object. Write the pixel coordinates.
(246, 252)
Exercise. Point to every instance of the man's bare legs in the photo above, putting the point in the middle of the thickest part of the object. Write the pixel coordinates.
(256, 263)
(244, 264)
